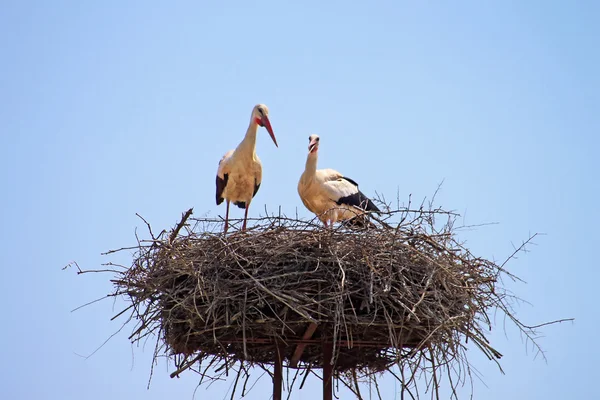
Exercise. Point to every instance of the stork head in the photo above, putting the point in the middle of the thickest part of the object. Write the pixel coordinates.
(260, 115)
(313, 143)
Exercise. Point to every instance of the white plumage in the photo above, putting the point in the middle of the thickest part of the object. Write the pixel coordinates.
(240, 171)
(326, 192)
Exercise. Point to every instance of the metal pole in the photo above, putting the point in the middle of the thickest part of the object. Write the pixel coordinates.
(278, 378)
(327, 371)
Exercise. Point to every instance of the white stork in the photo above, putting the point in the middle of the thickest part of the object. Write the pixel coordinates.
(240, 172)
(329, 194)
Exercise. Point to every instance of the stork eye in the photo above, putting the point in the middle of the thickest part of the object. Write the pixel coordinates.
(260, 110)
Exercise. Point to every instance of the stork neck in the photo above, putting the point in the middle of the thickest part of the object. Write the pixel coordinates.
(248, 145)
(311, 163)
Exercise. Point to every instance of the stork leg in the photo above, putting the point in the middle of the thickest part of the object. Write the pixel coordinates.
(226, 218)
(245, 217)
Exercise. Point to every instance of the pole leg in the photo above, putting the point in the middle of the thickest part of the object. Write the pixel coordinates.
(327, 371)
(278, 378)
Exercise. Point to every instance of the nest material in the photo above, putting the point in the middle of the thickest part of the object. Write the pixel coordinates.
(410, 296)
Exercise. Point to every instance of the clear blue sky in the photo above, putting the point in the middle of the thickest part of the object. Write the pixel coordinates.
(108, 109)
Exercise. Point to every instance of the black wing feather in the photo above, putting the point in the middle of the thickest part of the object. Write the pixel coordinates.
(357, 199)
(221, 183)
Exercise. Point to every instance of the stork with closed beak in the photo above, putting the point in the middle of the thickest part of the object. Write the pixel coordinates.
(329, 194)
(240, 172)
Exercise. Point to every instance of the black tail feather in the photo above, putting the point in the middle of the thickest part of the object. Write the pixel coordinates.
(240, 204)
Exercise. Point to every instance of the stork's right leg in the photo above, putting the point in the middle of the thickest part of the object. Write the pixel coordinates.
(226, 218)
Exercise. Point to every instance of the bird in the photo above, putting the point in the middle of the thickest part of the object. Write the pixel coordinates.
(329, 194)
(239, 174)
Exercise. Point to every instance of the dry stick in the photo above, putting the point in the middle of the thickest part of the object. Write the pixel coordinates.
(376, 387)
(180, 225)
(412, 312)
(434, 373)
(122, 312)
(94, 301)
(350, 387)
(186, 366)
(291, 386)
(147, 225)
(357, 388)
(237, 378)
(558, 321)
(307, 371)
(383, 223)
(245, 381)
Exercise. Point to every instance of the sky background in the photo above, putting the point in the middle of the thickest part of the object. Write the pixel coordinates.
(111, 108)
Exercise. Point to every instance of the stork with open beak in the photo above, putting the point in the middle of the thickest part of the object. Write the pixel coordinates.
(240, 172)
(329, 194)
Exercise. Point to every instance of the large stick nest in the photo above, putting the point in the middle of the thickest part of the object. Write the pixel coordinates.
(409, 294)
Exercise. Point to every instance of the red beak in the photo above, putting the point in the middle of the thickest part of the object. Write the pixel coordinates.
(267, 124)
(313, 146)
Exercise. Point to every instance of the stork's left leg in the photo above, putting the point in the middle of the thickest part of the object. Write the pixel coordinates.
(226, 218)
(245, 216)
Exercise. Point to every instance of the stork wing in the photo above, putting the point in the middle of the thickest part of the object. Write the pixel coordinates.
(345, 191)
(222, 177)
(257, 176)
(221, 183)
